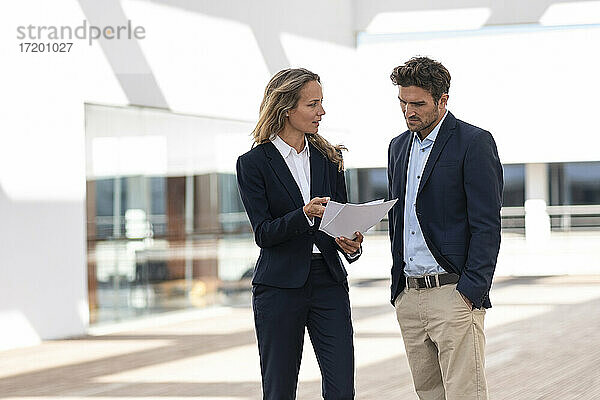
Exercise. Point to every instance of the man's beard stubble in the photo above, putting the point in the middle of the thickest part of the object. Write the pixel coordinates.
(425, 124)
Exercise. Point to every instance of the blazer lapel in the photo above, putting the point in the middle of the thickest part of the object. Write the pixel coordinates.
(404, 166)
(283, 173)
(446, 130)
(317, 172)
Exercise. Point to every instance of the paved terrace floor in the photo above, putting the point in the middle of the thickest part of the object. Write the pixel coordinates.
(543, 343)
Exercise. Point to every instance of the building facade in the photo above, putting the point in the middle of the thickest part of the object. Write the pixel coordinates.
(117, 192)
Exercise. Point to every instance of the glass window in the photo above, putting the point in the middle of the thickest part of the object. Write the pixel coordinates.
(231, 202)
(351, 176)
(105, 205)
(583, 182)
(232, 214)
(158, 195)
(574, 183)
(105, 197)
(372, 184)
(514, 185)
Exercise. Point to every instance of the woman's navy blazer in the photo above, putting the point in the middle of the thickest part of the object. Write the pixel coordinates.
(274, 204)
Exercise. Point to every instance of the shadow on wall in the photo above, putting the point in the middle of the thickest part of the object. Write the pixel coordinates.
(268, 20)
(43, 292)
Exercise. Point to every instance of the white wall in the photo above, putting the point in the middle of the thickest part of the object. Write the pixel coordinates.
(43, 290)
(534, 88)
(506, 12)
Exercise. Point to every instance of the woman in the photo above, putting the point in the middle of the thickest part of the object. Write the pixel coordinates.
(299, 279)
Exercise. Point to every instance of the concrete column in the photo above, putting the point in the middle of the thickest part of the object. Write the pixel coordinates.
(537, 221)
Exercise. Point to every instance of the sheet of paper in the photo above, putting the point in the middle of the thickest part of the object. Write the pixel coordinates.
(379, 201)
(345, 219)
(331, 210)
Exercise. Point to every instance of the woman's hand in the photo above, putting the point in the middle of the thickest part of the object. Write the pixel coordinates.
(315, 207)
(350, 246)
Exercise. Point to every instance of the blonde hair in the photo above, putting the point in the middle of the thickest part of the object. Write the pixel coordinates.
(282, 94)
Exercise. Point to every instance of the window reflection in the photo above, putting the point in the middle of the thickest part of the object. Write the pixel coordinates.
(574, 190)
(161, 243)
(574, 183)
(514, 185)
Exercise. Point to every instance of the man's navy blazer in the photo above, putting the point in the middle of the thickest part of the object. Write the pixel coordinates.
(458, 206)
(274, 204)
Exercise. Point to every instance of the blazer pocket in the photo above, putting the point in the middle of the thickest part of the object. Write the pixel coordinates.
(448, 173)
(448, 163)
(454, 248)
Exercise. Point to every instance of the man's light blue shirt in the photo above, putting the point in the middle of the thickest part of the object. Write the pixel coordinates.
(419, 260)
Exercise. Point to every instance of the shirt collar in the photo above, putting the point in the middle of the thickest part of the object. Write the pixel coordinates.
(433, 134)
(285, 149)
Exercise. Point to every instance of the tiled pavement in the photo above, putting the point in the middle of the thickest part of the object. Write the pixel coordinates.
(543, 336)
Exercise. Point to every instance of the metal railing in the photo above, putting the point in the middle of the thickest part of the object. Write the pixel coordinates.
(562, 218)
(566, 218)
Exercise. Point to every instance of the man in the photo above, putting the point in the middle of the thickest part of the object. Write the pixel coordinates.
(445, 235)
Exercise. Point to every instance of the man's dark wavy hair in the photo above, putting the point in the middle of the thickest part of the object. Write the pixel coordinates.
(425, 73)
